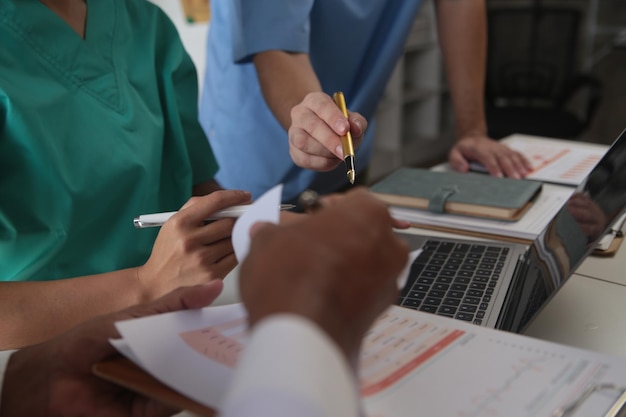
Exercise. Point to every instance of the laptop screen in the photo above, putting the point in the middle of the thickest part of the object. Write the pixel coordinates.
(569, 238)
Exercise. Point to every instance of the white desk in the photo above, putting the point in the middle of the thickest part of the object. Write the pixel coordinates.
(585, 313)
(589, 310)
(611, 269)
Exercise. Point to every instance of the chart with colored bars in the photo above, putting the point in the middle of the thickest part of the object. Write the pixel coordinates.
(396, 346)
(561, 162)
(436, 367)
(221, 343)
(440, 367)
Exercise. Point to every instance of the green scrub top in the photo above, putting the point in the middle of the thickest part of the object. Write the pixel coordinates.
(93, 132)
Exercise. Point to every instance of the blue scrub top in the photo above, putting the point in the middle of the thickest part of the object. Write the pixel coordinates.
(353, 45)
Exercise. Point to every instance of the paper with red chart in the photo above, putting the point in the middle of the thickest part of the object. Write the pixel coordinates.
(553, 160)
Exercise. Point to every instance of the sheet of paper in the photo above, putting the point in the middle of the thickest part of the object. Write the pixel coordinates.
(217, 333)
(435, 366)
(404, 274)
(556, 161)
(192, 351)
(265, 209)
(547, 204)
(410, 360)
(563, 162)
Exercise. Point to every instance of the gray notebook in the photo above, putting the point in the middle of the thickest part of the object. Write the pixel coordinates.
(458, 193)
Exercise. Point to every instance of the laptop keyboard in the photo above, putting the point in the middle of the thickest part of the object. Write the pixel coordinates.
(454, 279)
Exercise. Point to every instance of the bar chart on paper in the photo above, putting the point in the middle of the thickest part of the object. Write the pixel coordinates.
(563, 164)
(469, 371)
(221, 343)
(554, 160)
(411, 363)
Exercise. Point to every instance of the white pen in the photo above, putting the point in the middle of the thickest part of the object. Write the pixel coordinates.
(157, 219)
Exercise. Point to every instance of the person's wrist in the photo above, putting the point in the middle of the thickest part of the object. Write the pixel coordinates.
(471, 133)
(145, 292)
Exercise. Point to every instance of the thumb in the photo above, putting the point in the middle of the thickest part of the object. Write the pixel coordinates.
(457, 161)
(184, 298)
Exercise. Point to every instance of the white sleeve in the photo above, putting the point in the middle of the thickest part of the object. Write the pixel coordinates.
(291, 368)
(4, 360)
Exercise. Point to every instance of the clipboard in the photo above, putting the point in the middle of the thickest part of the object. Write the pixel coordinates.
(125, 373)
(615, 235)
(613, 247)
(617, 409)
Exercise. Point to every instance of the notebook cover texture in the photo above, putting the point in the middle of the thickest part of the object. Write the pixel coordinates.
(459, 193)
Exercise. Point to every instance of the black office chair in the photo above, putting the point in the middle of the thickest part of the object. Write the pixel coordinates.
(532, 83)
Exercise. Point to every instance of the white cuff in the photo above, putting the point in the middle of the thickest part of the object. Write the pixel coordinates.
(5, 355)
(290, 363)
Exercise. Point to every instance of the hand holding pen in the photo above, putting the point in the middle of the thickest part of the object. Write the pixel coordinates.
(159, 219)
(187, 251)
(317, 127)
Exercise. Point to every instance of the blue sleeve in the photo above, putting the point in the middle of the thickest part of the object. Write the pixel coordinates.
(262, 25)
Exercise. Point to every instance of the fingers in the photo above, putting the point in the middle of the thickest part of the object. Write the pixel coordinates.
(183, 298)
(320, 118)
(511, 163)
(490, 162)
(498, 159)
(187, 251)
(401, 224)
(457, 161)
(358, 126)
(318, 160)
(212, 233)
(316, 130)
(197, 209)
(211, 251)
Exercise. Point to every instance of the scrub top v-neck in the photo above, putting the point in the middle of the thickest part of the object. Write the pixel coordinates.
(93, 132)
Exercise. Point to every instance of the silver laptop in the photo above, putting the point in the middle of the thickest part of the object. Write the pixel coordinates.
(504, 285)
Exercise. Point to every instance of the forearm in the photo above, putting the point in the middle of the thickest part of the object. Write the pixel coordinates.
(463, 38)
(285, 79)
(31, 312)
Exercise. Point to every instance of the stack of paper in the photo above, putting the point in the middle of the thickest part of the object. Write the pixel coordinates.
(551, 199)
(412, 363)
